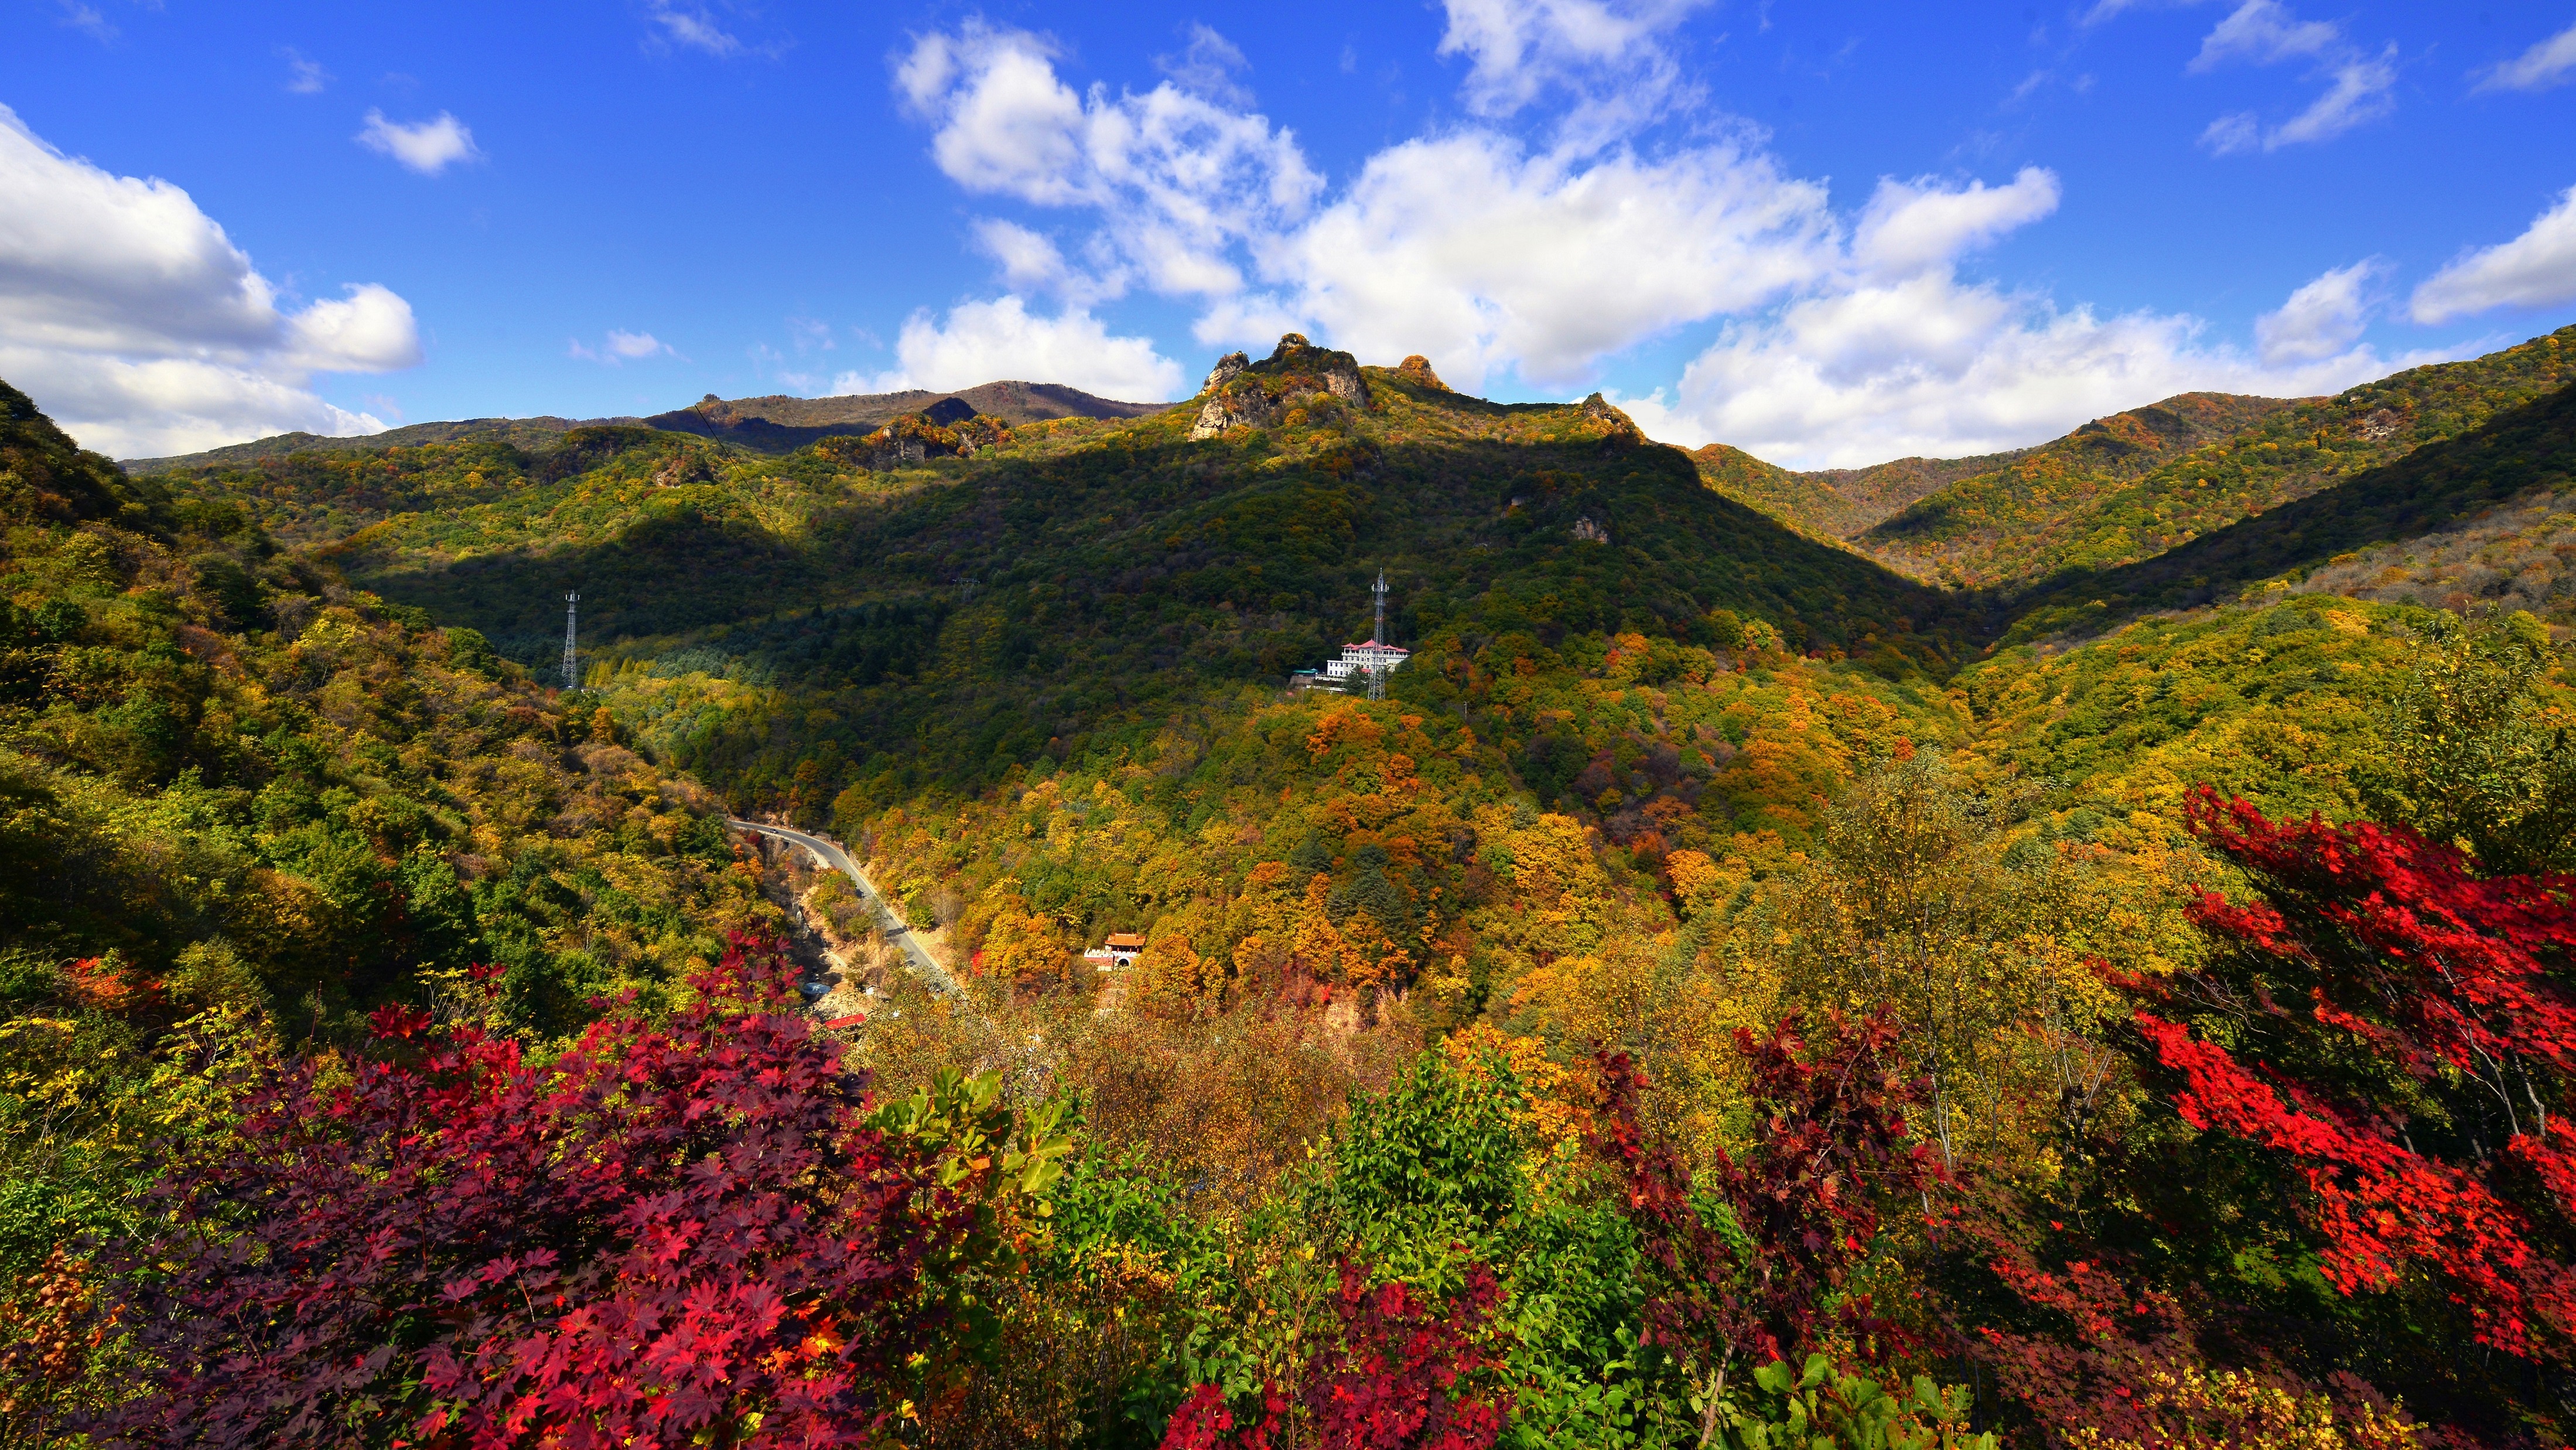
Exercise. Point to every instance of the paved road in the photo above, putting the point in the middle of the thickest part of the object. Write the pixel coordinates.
(917, 956)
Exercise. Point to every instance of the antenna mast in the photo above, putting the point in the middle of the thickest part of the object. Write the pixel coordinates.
(572, 661)
(1377, 644)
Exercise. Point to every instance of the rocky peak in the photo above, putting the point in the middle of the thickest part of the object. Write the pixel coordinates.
(1243, 393)
(949, 412)
(1417, 371)
(1224, 371)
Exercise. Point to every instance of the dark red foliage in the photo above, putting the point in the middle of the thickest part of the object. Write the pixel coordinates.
(1830, 1147)
(2091, 1339)
(2413, 1047)
(1404, 1373)
(662, 1235)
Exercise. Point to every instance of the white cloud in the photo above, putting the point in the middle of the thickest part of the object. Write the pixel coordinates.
(428, 147)
(2322, 319)
(1206, 68)
(2536, 269)
(1912, 225)
(1486, 258)
(1934, 367)
(132, 319)
(2536, 69)
(89, 20)
(2361, 87)
(2264, 31)
(2233, 135)
(622, 347)
(982, 342)
(692, 26)
(2364, 90)
(1177, 180)
(1844, 338)
(1612, 56)
(1030, 260)
(304, 77)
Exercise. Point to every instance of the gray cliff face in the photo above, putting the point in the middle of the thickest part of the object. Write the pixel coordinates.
(1224, 372)
(1245, 394)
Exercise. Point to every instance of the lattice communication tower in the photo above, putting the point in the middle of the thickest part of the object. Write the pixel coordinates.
(1377, 644)
(572, 656)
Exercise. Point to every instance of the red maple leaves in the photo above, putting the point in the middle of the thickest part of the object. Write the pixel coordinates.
(1406, 1371)
(672, 1231)
(1831, 1145)
(2416, 1045)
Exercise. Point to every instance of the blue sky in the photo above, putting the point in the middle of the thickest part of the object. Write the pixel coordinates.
(1830, 233)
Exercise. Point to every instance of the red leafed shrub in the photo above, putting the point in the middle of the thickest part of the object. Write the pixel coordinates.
(1405, 1373)
(691, 1232)
(1830, 1146)
(2404, 1044)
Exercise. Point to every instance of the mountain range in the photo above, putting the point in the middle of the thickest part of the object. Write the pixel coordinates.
(1682, 741)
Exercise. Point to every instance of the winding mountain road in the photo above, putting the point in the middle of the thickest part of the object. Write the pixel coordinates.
(916, 956)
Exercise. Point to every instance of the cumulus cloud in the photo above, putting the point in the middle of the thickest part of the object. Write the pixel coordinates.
(1207, 66)
(2536, 69)
(2322, 319)
(2536, 269)
(982, 342)
(1613, 57)
(2361, 86)
(622, 347)
(1842, 338)
(428, 147)
(130, 317)
(1176, 180)
(1933, 366)
(1912, 225)
(1486, 258)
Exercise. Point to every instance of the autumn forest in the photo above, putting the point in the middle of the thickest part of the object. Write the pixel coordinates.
(2070, 949)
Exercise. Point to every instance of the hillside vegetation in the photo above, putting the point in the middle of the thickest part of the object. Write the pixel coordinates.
(2132, 486)
(2522, 456)
(1834, 502)
(1727, 993)
(230, 783)
(939, 623)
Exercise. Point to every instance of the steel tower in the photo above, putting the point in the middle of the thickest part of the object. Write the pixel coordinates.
(572, 659)
(1377, 641)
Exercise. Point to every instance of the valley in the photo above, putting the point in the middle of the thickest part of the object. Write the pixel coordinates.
(1706, 785)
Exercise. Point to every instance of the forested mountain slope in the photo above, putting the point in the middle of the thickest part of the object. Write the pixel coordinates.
(944, 619)
(2521, 458)
(1704, 933)
(1833, 502)
(524, 433)
(2091, 501)
(781, 424)
(1964, 532)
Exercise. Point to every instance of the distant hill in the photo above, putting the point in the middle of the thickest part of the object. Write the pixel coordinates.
(782, 424)
(1833, 502)
(2200, 462)
(1992, 525)
(517, 432)
(2511, 477)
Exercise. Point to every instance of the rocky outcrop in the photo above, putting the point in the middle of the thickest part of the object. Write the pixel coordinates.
(1242, 394)
(1224, 372)
(1622, 431)
(946, 429)
(1417, 371)
(1248, 408)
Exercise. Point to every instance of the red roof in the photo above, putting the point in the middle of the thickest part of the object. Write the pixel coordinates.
(1126, 939)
